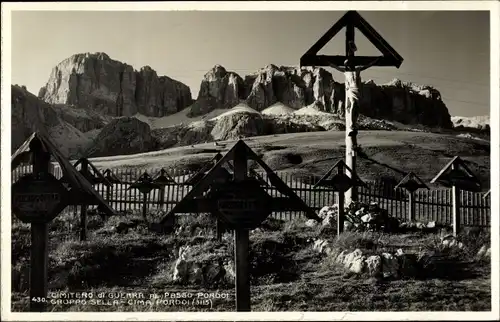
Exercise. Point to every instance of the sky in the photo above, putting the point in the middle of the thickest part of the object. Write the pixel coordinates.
(449, 50)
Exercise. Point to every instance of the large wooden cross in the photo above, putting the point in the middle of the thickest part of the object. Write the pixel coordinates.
(351, 66)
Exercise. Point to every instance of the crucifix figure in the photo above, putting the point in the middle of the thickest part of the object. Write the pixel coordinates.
(353, 85)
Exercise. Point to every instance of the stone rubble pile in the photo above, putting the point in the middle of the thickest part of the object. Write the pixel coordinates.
(391, 265)
(208, 272)
(370, 217)
(358, 217)
(384, 265)
(328, 215)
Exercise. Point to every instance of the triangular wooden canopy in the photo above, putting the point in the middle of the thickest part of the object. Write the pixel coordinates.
(111, 177)
(163, 178)
(411, 177)
(145, 180)
(195, 178)
(340, 165)
(454, 167)
(95, 176)
(293, 202)
(352, 19)
(253, 174)
(77, 182)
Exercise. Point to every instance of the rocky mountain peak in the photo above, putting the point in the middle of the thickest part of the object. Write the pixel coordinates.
(216, 71)
(98, 83)
(298, 87)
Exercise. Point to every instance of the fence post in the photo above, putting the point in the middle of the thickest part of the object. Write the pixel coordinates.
(145, 206)
(411, 206)
(341, 217)
(456, 209)
(108, 193)
(162, 197)
(219, 229)
(83, 208)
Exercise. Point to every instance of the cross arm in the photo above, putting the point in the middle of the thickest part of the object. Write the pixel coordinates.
(327, 60)
(365, 67)
(339, 68)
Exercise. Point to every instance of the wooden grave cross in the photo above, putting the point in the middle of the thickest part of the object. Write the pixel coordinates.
(242, 205)
(411, 183)
(351, 66)
(38, 197)
(94, 176)
(458, 176)
(145, 184)
(340, 182)
(162, 179)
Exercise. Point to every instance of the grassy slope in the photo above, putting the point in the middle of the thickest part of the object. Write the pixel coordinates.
(288, 274)
(314, 153)
(137, 261)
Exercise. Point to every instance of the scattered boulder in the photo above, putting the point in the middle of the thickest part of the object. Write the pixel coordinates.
(374, 266)
(181, 269)
(329, 215)
(340, 257)
(122, 136)
(311, 223)
(320, 245)
(451, 241)
(355, 262)
(484, 253)
(209, 271)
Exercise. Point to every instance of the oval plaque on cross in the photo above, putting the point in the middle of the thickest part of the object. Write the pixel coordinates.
(38, 199)
(242, 205)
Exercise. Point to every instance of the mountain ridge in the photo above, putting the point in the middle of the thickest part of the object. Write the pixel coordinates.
(92, 99)
(109, 87)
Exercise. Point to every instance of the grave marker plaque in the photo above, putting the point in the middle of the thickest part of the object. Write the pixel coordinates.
(242, 205)
(38, 199)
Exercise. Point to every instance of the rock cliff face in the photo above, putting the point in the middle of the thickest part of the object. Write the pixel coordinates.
(29, 114)
(297, 87)
(64, 125)
(223, 87)
(97, 82)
